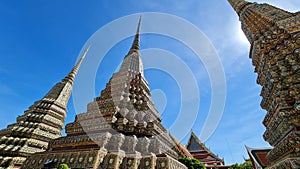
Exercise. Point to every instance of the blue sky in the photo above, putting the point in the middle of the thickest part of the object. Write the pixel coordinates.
(41, 40)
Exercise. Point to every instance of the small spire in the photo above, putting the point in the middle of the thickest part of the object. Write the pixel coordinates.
(136, 41)
(71, 76)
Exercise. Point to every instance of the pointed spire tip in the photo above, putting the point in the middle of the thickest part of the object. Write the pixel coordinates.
(136, 41)
(71, 76)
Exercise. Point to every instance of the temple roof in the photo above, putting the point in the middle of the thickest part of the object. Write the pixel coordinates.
(258, 157)
(196, 147)
(195, 144)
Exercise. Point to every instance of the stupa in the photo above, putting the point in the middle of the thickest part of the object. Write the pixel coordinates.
(121, 128)
(42, 122)
(274, 35)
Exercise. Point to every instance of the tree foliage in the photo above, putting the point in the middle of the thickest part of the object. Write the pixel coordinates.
(63, 166)
(191, 163)
(246, 165)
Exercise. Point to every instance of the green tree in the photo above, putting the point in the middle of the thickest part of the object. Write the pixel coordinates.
(191, 163)
(246, 165)
(63, 166)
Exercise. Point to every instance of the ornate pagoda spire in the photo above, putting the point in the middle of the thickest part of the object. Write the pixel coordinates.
(61, 92)
(132, 61)
(257, 18)
(42, 122)
(71, 76)
(238, 4)
(136, 41)
(274, 36)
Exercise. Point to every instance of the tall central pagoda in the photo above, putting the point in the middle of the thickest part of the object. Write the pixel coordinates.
(121, 128)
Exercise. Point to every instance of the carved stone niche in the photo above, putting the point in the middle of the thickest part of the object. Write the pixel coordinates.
(131, 161)
(148, 161)
(112, 161)
(130, 144)
(115, 142)
(102, 139)
(143, 145)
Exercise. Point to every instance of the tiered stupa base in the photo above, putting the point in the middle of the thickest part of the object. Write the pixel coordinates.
(103, 151)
